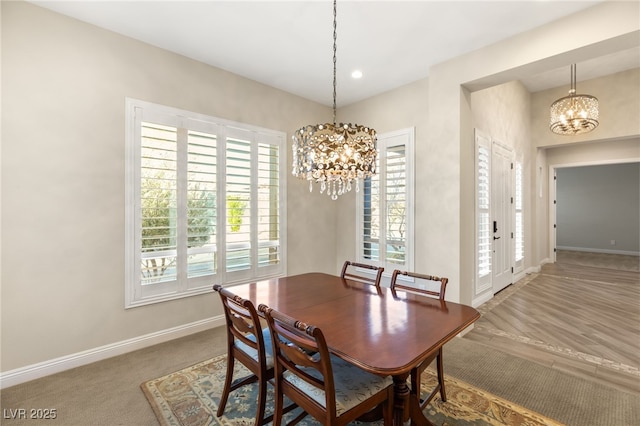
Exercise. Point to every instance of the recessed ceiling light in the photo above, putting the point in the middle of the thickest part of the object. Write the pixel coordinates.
(356, 74)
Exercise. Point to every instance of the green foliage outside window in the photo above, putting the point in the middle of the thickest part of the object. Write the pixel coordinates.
(236, 207)
(159, 215)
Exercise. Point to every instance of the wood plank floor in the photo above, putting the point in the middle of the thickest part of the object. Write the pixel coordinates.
(572, 316)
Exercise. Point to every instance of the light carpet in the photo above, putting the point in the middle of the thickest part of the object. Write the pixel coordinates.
(190, 397)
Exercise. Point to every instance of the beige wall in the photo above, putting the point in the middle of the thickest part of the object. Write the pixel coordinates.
(64, 84)
(619, 104)
(398, 109)
(503, 114)
(604, 152)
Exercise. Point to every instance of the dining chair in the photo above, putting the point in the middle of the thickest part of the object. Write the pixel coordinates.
(350, 271)
(249, 343)
(430, 286)
(331, 390)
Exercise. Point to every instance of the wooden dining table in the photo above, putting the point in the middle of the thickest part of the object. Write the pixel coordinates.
(379, 331)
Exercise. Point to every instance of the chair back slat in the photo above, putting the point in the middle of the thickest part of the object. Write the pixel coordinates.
(439, 282)
(350, 271)
(242, 320)
(298, 362)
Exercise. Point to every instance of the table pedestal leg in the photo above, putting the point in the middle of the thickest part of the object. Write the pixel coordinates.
(407, 405)
(401, 399)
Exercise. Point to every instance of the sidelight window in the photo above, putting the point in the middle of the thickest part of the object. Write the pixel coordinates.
(385, 205)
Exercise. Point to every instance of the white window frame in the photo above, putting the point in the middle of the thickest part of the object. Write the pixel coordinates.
(386, 141)
(138, 111)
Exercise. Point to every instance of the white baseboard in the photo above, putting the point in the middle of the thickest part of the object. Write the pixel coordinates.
(46, 368)
(485, 297)
(533, 269)
(598, 250)
(488, 295)
(545, 261)
(518, 276)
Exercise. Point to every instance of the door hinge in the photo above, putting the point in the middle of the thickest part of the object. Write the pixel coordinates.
(555, 226)
(554, 201)
(555, 249)
(511, 200)
(512, 235)
(512, 269)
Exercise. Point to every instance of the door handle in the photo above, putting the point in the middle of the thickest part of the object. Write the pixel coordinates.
(496, 238)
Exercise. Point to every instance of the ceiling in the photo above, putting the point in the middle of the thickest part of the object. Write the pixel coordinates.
(289, 44)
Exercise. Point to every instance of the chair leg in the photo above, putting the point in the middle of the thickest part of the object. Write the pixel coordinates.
(415, 382)
(278, 409)
(440, 367)
(262, 400)
(227, 385)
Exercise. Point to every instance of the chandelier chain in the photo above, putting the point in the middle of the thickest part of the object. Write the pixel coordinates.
(335, 38)
(574, 114)
(331, 156)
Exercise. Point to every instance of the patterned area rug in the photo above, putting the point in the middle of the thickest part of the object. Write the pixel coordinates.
(190, 397)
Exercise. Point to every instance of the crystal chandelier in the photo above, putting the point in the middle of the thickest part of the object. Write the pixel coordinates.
(574, 114)
(335, 156)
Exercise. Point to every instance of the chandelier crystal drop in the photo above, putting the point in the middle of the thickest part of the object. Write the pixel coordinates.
(574, 114)
(336, 156)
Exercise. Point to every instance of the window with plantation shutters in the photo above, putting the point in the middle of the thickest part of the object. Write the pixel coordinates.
(267, 211)
(238, 209)
(396, 205)
(484, 227)
(158, 203)
(201, 213)
(203, 203)
(483, 210)
(385, 205)
(519, 220)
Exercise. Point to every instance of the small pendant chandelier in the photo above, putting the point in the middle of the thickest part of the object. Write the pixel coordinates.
(334, 156)
(574, 114)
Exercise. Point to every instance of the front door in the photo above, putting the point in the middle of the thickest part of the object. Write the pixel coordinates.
(501, 215)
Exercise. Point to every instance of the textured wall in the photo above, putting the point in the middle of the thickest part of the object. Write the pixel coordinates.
(63, 127)
(503, 113)
(619, 108)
